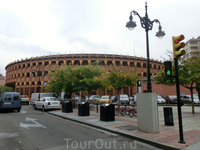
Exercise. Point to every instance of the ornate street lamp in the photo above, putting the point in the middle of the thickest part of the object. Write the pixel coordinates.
(39, 73)
(147, 25)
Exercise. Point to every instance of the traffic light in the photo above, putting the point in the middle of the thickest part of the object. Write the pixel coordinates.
(168, 71)
(177, 46)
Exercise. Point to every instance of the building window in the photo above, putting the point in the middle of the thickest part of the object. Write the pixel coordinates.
(144, 65)
(138, 65)
(132, 64)
(154, 66)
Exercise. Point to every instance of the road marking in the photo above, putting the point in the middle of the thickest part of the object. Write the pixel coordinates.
(27, 126)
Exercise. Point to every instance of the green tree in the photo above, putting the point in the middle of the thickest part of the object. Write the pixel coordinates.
(60, 81)
(87, 78)
(189, 74)
(75, 79)
(4, 88)
(119, 77)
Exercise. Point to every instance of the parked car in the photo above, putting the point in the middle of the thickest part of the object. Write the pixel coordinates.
(10, 101)
(160, 100)
(187, 99)
(76, 98)
(105, 99)
(113, 99)
(123, 99)
(94, 98)
(37, 96)
(172, 99)
(25, 99)
(47, 103)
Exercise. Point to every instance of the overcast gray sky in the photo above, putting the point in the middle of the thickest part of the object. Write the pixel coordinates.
(30, 28)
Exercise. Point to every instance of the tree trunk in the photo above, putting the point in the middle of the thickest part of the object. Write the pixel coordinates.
(191, 91)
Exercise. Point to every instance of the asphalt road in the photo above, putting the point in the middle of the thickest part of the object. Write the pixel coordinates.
(36, 130)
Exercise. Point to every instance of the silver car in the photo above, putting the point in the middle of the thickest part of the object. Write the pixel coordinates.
(160, 100)
(47, 103)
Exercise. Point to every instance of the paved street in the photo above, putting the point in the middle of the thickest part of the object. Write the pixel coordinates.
(36, 130)
(168, 136)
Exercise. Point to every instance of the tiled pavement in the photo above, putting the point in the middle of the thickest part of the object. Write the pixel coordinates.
(168, 136)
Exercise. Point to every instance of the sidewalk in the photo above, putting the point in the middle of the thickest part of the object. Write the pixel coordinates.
(167, 138)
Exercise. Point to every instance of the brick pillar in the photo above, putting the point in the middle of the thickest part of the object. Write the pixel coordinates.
(105, 91)
(122, 91)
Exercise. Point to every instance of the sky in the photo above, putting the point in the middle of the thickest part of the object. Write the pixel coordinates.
(31, 28)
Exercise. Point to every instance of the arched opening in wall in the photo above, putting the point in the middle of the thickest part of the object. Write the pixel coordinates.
(22, 74)
(125, 90)
(109, 63)
(93, 62)
(150, 65)
(101, 62)
(38, 89)
(18, 84)
(19, 66)
(125, 63)
(132, 64)
(85, 62)
(15, 67)
(69, 62)
(32, 83)
(22, 92)
(32, 90)
(154, 66)
(158, 67)
(28, 65)
(23, 66)
(22, 83)
(46, 73)
(139, 74)
(77, 62)
(40, 64)
(61, 63)
(53, 63)
(28, 74)
(34, 64)
(150, 74)
(27, 83)
(154, 74)
(17, 90)
(46, 63)
(144, 74)
(144, 65)
(117, 63)
(138, 64)
(26, 91)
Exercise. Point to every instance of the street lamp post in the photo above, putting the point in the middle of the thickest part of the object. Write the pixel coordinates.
(147, 25)
(39, 73)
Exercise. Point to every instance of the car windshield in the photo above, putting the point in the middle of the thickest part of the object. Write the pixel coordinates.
(172, 96)
(52, 99)
(195, 97)
(123, 96)
(104, 97)
(158, 96)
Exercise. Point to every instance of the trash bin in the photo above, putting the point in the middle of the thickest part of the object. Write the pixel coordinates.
(168, 116)
(67, 107)
(83, 109)
(107, 112)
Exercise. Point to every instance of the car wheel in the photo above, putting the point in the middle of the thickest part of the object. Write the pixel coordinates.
(43, 108)
(18, 110)
(35, 107)
(28, 103)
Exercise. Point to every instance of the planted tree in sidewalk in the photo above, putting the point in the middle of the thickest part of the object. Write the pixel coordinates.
(118, 77)
(189, 74)
(75, 79)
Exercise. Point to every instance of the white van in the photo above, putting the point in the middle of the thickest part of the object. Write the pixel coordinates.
(36, 96)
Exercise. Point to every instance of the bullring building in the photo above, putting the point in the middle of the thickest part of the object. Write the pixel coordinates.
(19, 74)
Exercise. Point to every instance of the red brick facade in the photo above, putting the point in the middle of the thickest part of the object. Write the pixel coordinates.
(18, 73)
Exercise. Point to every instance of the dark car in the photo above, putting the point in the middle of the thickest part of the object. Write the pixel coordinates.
(172, 99)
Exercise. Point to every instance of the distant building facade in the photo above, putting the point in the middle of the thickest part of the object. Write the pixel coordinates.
(192, 47)
(18, 73)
